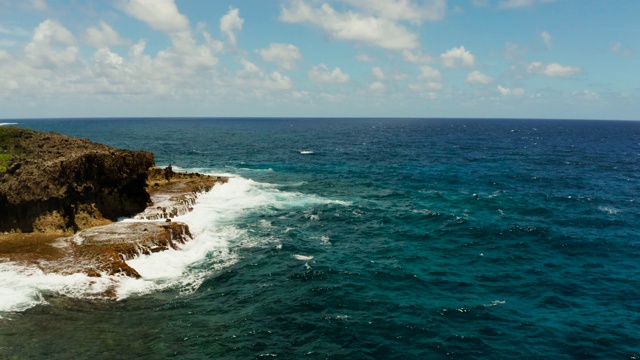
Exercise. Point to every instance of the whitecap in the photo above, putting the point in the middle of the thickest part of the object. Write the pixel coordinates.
(609, 210)
(306, 152)
(496, 303)
(302, 257)
(7, 124)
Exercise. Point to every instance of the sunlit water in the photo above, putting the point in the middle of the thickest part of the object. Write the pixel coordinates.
(355, 238)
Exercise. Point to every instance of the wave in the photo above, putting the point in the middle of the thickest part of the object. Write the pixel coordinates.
(306, 152)
(7, 124)
(215, 222)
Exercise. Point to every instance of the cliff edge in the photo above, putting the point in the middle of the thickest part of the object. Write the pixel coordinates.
(57, 184)
(60, 196)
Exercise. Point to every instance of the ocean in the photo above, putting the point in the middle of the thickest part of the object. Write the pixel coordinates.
(363, 239)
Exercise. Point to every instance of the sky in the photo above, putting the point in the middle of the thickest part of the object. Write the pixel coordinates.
(561, 59)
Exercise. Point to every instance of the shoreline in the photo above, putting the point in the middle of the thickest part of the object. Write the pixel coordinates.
(104, 249)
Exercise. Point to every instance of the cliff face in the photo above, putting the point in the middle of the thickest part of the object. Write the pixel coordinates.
(57, 184)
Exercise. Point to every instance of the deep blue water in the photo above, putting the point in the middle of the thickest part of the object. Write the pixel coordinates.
(430, 238)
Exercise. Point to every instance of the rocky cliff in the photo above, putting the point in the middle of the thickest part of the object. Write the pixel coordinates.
(57, 184)
(59, 197)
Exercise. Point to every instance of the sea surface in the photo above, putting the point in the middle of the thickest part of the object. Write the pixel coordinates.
(363, 239)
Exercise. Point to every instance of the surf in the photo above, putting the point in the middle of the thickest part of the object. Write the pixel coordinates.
(215, 224)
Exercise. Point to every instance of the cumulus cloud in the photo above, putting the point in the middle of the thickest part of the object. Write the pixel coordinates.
(52, 46)
(429, 73)
(377, 73)
(185, 56)
(161, 15)
(416, 57)
(504, 91)
(546, 38)
(430, 80)
(376, 86)
(322, 74)
(552, 70)
(432, 10)
(457, 57)
(251, 76)
(285, 55)
(230, 23)
(476, 77)
(104, 36)
(351, 26)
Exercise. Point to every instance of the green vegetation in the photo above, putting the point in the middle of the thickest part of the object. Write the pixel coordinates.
(10, 137)
(5, 160)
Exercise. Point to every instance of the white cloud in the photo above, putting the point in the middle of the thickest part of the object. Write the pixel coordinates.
(376, 86)
(230, 23)
(552, 70)
(457, 57)
(617, 48)
(476, 77)
(433, 10)
(504, 91)
(364, 58)
(161, 15)
(104, 37)
(52, 32)
(377, 73)
(429, 73)
(253, 78)
(248, 67)
(352, 26)
(517, 4)
(52, 46)
(285, 55)
(587, 95)
(431, 80)
(546, 38)
(416, 57)
(322, 74)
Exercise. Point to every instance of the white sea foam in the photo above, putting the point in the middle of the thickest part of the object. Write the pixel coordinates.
(213, 224)
(22, 287)
(306, 152)
(609, 210)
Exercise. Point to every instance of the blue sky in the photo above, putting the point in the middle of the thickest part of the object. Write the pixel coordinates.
(573, 59)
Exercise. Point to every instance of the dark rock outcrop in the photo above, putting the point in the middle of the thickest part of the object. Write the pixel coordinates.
(60, 196)
(58, 184)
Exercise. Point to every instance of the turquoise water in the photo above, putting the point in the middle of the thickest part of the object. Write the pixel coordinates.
(367, 239)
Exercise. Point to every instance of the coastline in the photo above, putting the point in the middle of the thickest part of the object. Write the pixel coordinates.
(103, 250)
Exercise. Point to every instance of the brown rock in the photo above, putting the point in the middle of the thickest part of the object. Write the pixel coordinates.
(56, 183)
